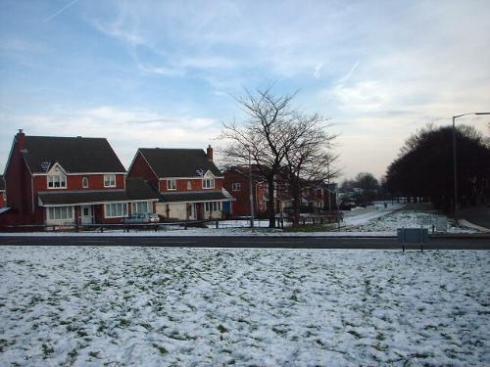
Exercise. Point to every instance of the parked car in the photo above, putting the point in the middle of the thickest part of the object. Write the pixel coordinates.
(142, 218)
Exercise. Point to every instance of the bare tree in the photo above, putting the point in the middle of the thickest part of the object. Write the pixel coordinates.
(264, 135)
(308, 159)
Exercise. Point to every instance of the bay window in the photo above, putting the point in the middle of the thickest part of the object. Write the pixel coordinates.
(141, 207)
(60, 213)
(116, 210)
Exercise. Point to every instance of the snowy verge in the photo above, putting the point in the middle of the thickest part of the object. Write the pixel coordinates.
(90, 307)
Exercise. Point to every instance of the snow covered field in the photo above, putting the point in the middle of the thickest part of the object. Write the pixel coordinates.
(406, 219)
(209, 307)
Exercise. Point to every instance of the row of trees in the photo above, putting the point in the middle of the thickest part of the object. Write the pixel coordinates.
(424, 167)
(282, 142)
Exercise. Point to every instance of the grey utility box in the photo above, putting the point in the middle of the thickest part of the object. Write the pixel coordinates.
(413, 235)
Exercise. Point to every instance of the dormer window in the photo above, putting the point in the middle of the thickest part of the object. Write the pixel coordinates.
(57, 181)
(109, 180)
(171, 185)
(85, 182)
(208, 181)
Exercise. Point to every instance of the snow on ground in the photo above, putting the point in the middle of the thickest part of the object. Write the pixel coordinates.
(407, 219)
(209, 307)
(359, 216)
(241, 223)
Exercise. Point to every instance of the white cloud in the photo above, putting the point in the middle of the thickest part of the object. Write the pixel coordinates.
(126, 130)
(379, 70)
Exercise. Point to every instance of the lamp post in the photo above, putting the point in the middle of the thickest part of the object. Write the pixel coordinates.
(455, 165)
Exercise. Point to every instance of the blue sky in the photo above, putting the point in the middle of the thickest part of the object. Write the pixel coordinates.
(162, 73)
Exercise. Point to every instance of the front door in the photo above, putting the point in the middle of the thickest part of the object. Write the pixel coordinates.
(87, 214)
(199, 211)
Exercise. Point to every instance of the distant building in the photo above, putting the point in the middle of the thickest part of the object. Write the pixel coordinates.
(316, 197)
(3, 195)
(70, 180)
(237, 182)
(189, 184)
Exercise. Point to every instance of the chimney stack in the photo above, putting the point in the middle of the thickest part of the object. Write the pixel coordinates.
(21, 140)
(210, 153)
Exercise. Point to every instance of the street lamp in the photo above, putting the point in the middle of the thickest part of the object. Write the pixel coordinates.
(455, 167)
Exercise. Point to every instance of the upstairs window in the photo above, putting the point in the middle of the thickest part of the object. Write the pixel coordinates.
(57, 181)
(235, 186)
(189, 185)
(171, 185)
(109, 180)
(208, 183)
(85, 182)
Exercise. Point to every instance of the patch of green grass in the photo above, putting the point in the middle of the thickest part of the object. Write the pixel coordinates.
(81, 333)
(124, 322)
(222, 329)
(160, 348)
(73, 354)
(310, 228)
(146, 325)
(355, 334)
(94, 354)
(47, 350)
(3, 344)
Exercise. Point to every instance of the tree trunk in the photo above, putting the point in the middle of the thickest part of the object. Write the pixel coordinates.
(296, 204)
(270, 203)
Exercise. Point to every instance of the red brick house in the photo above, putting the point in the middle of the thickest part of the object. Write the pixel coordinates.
(189, 183)
(236, 181)
(3, 195)
(68, 180)
(316, 197)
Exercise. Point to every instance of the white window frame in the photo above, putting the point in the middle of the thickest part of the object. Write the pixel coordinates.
(60, 213)
(85, 182)
(110, 180)
(208, 183)
(171, 184)
(52, 180)
(236, 186)
(134, 207)
(109, 210)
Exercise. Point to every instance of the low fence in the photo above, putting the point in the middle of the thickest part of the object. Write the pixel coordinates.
(100, 227)
(281, 222)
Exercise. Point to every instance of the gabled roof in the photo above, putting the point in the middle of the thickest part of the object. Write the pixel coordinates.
(74, 154)
(178, 162)
(2, 183)
(139, 189)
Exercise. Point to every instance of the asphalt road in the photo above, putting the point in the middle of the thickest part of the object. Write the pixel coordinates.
(449, 243)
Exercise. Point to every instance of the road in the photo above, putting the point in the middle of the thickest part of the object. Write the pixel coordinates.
(449, 243)
(479, 215)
